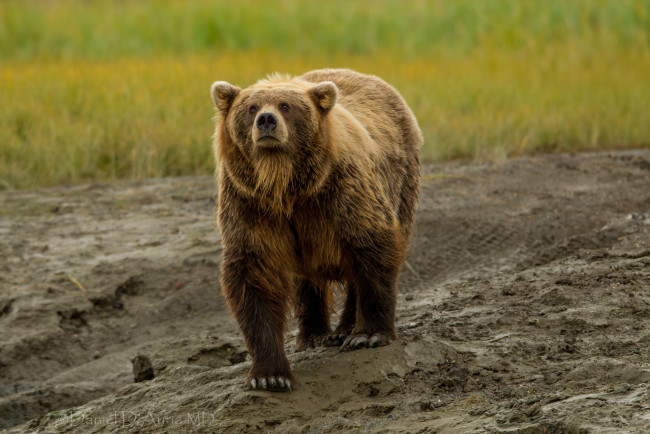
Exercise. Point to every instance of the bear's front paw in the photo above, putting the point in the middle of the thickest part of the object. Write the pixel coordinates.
(363, 340)
(273, 383)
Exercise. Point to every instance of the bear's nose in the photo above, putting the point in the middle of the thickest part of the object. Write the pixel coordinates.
(266, 122)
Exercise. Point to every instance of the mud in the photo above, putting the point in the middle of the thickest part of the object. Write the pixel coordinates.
(524, 307)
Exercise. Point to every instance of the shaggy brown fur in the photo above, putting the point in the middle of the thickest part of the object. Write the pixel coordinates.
(318, 183)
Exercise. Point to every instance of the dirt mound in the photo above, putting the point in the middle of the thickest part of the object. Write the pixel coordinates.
(524, 307)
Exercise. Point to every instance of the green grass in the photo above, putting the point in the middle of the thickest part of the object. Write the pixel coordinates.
(106, 89)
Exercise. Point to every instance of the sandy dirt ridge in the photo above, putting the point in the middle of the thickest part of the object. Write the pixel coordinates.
(524, 307)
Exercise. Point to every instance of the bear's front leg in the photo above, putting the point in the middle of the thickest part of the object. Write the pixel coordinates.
(260, 307)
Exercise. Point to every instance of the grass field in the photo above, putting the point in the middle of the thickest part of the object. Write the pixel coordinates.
(106, 89)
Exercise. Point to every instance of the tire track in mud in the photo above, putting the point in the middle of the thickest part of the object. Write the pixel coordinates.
(526, 277)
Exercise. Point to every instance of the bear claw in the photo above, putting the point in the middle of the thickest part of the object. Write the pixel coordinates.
(314, 341)
(276, 384)
(334, 340)
(354, 342)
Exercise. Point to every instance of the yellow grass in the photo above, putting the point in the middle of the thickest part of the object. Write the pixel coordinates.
(71, 121)
(108, 89)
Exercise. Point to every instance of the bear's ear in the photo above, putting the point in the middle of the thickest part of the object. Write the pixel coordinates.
(324, 95)
(223, 94)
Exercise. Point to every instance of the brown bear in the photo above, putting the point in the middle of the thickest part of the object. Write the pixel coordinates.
(318, 179)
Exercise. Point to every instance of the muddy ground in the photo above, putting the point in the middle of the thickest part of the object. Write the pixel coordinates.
(524, 307)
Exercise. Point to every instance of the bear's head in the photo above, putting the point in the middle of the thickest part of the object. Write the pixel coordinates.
(271, 136)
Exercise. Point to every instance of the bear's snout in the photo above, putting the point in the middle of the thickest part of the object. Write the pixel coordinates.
(267, 122)
(269, 129)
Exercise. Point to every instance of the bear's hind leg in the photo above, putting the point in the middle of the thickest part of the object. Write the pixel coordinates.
(375, 269)
(348, 318)
(313, 313)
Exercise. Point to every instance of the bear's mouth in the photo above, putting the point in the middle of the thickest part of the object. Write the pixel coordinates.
(268, 141)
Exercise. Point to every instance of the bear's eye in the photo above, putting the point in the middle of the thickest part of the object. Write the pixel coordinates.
(284, 107)
(252, 109)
